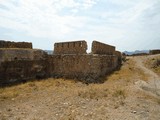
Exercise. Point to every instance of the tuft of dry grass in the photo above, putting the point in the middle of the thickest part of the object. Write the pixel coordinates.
(93, 92)
(119, 93)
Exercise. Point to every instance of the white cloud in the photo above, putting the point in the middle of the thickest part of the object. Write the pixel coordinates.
(113, 22)
(41, 18)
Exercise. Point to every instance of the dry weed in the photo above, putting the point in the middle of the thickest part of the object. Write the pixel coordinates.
(93, 92)
(119, 93)
(153, 63)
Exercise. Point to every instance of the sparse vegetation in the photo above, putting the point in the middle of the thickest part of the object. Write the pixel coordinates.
(119, 93)
(93, 93)
(154, 64)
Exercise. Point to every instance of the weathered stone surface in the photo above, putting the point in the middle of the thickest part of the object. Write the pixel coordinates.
(157, 51)
(69, 60)
(86, 67)
(77, 47)
(20, 70)
(8, 44)
(22, 64)
(119, 55)
(101, 48)
(11, 54)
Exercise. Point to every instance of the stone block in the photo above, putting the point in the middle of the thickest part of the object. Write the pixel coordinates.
(101, 48)
(77, 47)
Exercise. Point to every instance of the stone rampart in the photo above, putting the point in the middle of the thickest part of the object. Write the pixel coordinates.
(157, 51)
(101, 48)
(8, 44)
(69, 60)
(77, 47)
(22, 64)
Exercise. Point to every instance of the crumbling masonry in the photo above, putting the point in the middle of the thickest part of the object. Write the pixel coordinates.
(19, 62)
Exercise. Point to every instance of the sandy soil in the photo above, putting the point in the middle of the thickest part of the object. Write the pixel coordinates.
(131, 93)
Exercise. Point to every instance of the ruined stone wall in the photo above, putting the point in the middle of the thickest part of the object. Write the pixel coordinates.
(22, 70)
(19, 65)
(154, 51)
(78, 47)
(69, 60)
(119, 55)
(101, 48)
(8, 44)
(86, 67)
(12, 54)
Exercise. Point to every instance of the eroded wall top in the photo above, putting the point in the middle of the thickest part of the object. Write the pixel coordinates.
(21, 54)
(8, 44)
(118, 53)
(101, 48)
(77, 47)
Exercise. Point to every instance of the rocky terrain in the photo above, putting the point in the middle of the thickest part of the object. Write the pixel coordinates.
(131, 93)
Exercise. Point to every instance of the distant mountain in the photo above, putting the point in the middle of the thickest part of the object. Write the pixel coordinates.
(49, 51)
(136, 52)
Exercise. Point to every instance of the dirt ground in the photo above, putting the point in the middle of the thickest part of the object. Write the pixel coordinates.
(131, 93)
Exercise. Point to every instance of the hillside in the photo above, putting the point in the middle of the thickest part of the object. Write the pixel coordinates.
(133, 92)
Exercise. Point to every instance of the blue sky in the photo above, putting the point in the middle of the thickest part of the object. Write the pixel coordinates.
(127, 24)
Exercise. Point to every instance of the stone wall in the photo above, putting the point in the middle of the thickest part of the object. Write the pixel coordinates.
(154, 51)
(83, 67)
(22, 64)
(12, 54)
(101, 48)
(8, 44)
(77, 47)
(119, 55)
(69, 60)
(22, 70)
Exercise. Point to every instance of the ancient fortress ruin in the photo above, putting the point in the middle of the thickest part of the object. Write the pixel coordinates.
(19, 62)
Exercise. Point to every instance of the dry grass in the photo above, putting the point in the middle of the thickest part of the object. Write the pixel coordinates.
(154, 63)
(125, 72)
(128, 72)
(93, 92)
(33, 86)
(119, 93)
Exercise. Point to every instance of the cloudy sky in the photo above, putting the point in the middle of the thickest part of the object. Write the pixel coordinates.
(127, 24)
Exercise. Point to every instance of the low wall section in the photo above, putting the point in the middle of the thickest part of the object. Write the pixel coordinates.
(8, 44)
(86, 67)
(18, 65)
